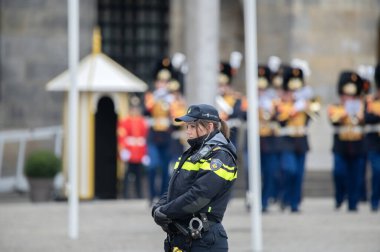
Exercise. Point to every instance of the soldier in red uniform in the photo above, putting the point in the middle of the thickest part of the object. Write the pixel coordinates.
(132, 135)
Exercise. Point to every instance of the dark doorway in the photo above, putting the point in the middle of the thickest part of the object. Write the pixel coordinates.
(105, 150)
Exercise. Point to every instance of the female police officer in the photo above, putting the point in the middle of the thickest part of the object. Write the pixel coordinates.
(199, 190)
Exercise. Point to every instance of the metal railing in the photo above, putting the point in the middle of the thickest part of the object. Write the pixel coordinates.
(17, 182)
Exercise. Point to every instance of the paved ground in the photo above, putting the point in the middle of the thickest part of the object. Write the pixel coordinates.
(121, 225)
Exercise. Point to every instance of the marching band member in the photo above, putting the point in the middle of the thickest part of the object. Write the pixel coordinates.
(293, 114)
(347, 118)
(372, 120)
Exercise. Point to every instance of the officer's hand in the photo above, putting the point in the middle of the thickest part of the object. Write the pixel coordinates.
(160, 218)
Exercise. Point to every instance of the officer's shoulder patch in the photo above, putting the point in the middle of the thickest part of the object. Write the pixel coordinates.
(215, 164)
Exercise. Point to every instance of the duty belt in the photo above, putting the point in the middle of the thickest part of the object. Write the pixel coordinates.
(196, 226)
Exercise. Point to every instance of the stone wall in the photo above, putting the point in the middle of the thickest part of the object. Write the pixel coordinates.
(34, 50)
(330, 35)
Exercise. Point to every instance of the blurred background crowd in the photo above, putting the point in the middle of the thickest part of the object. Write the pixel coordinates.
(317, 85)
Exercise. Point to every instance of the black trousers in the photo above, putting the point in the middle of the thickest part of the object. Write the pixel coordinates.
(214, 240)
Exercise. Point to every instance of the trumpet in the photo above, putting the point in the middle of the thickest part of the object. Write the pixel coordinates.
(314, 108)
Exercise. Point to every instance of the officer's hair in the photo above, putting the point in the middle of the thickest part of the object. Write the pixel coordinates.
(222, 126)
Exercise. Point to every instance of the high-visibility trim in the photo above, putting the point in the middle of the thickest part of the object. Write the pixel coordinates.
(176, 165)
(205, 166)
(226, 172)
(190, 166)
(209, 209)
(228, 175)
(231, 168)
(179, 159)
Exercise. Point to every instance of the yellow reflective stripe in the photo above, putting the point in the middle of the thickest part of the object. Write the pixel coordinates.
(176, 165)
(205, 166)
(231, 168)
(227, 175)
(190, 166)
(226, 172)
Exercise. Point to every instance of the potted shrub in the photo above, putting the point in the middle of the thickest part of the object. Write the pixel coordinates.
(40, 168)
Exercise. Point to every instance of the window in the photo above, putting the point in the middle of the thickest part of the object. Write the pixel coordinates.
(135, 33)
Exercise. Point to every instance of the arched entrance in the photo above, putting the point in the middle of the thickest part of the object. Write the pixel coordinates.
(105, 150)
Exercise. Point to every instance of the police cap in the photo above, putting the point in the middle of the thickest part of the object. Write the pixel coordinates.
(200, 111)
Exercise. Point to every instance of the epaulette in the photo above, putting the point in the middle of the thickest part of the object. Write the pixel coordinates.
(204, 151)
(218, 147)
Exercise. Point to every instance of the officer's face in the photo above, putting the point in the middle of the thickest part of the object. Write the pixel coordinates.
(194, 130)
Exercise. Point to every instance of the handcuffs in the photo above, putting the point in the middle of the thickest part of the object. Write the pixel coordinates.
(195, 227)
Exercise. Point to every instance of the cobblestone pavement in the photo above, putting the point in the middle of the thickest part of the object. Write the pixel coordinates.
(126, 225)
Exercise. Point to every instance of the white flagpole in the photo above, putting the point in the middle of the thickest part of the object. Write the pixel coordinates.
(73, 34)
(252, 127)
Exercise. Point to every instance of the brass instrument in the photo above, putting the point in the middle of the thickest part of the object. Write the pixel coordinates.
(336, 113)
(314, 108)
(285, 111)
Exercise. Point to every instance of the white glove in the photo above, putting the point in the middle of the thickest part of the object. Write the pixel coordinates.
(352, 107)
(305, 93)
(145, 160)
(265, 104)
(125, 155)
(300, 105)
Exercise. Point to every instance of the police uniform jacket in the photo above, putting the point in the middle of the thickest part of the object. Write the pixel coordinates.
(202, 180)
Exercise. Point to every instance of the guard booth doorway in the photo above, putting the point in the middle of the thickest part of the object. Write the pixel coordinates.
(105, 150)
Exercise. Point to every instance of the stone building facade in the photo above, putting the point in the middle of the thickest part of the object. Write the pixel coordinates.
(330, 35)
(33, 43)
